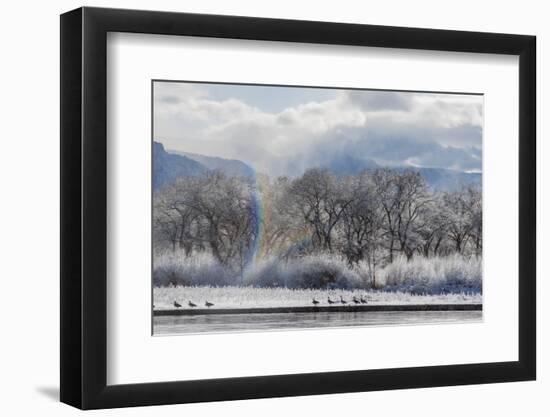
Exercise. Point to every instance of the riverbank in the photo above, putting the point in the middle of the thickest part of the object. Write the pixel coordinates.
(246, 298)
(322, 309)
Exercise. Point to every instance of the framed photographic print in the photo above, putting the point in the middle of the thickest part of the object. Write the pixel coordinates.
(257, 207)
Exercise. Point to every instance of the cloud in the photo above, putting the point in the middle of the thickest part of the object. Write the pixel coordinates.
(379, 100)
(391, 128)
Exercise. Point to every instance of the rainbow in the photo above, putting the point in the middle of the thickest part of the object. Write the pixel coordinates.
(262, 214)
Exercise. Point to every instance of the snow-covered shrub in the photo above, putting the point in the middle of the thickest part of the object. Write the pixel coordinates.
(433, 275)
(438, 275)
(322, 271)
(265, 273)
(312, 271)
(366, 273)
(176, 268)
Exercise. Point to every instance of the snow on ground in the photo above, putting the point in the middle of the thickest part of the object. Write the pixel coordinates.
(250, 297)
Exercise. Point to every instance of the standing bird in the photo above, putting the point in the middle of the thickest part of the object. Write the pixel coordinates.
(207, 304)
(330, 301)
(363, 301)
(342, 300)
(176, 304)
(356, 301)
(191, 304)
(315, 302)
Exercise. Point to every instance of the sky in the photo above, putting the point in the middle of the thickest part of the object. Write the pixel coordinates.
(285, 130)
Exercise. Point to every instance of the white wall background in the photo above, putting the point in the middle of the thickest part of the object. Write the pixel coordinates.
(29, 225)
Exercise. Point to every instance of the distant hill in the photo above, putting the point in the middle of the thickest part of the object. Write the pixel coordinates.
(347, 164)
(170, 165)
(438, 178)
(230, 167)
(167, 166)
(448, 179)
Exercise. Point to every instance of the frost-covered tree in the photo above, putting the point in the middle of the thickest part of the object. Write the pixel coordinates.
(321, 200)
(361, 223)
(404, 198)
(432, 231)
(476, 218)
(210, 211)
(463, 211)
(175, 218)
(367, 219)
(280, 221)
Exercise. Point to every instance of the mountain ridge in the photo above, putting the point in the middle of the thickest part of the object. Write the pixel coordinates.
(168, 165)
(230, 167)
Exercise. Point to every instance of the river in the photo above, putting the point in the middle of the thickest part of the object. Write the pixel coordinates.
(223, 323)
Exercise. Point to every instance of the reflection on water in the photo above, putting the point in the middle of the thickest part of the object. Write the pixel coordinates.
(284, 321)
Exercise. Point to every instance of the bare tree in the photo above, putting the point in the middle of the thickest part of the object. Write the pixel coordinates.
(320, 197)
(404, 198)
(165, 225)
(281, 222)
(361, 222)
(432, 229)
(210, 211)
(475, 209)
(369, 217)
(459, 214)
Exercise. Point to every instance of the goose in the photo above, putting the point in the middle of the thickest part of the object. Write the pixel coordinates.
(315, 302)
(191, 304)
(356, 301)
(207, 304)
(342, 300)
(330, 301)
(176, 304)
(363, 301)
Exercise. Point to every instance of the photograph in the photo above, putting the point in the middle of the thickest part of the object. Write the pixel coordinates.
(297, 206)
(290, 207)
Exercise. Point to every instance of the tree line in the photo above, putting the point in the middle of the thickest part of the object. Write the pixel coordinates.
(369, 217)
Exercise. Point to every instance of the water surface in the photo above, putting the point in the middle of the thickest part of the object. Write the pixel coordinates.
(223, 323)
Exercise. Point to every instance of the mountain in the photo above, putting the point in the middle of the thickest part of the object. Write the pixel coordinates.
(170, 165)
(347, 164)
(448, 179)
(167, 166)
(230, 167)
(438, 178)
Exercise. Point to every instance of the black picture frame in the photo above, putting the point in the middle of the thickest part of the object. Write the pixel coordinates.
(84, 207)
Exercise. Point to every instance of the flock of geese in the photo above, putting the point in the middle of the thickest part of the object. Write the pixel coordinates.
(192, 304)
(315, 302)
(354, 300)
